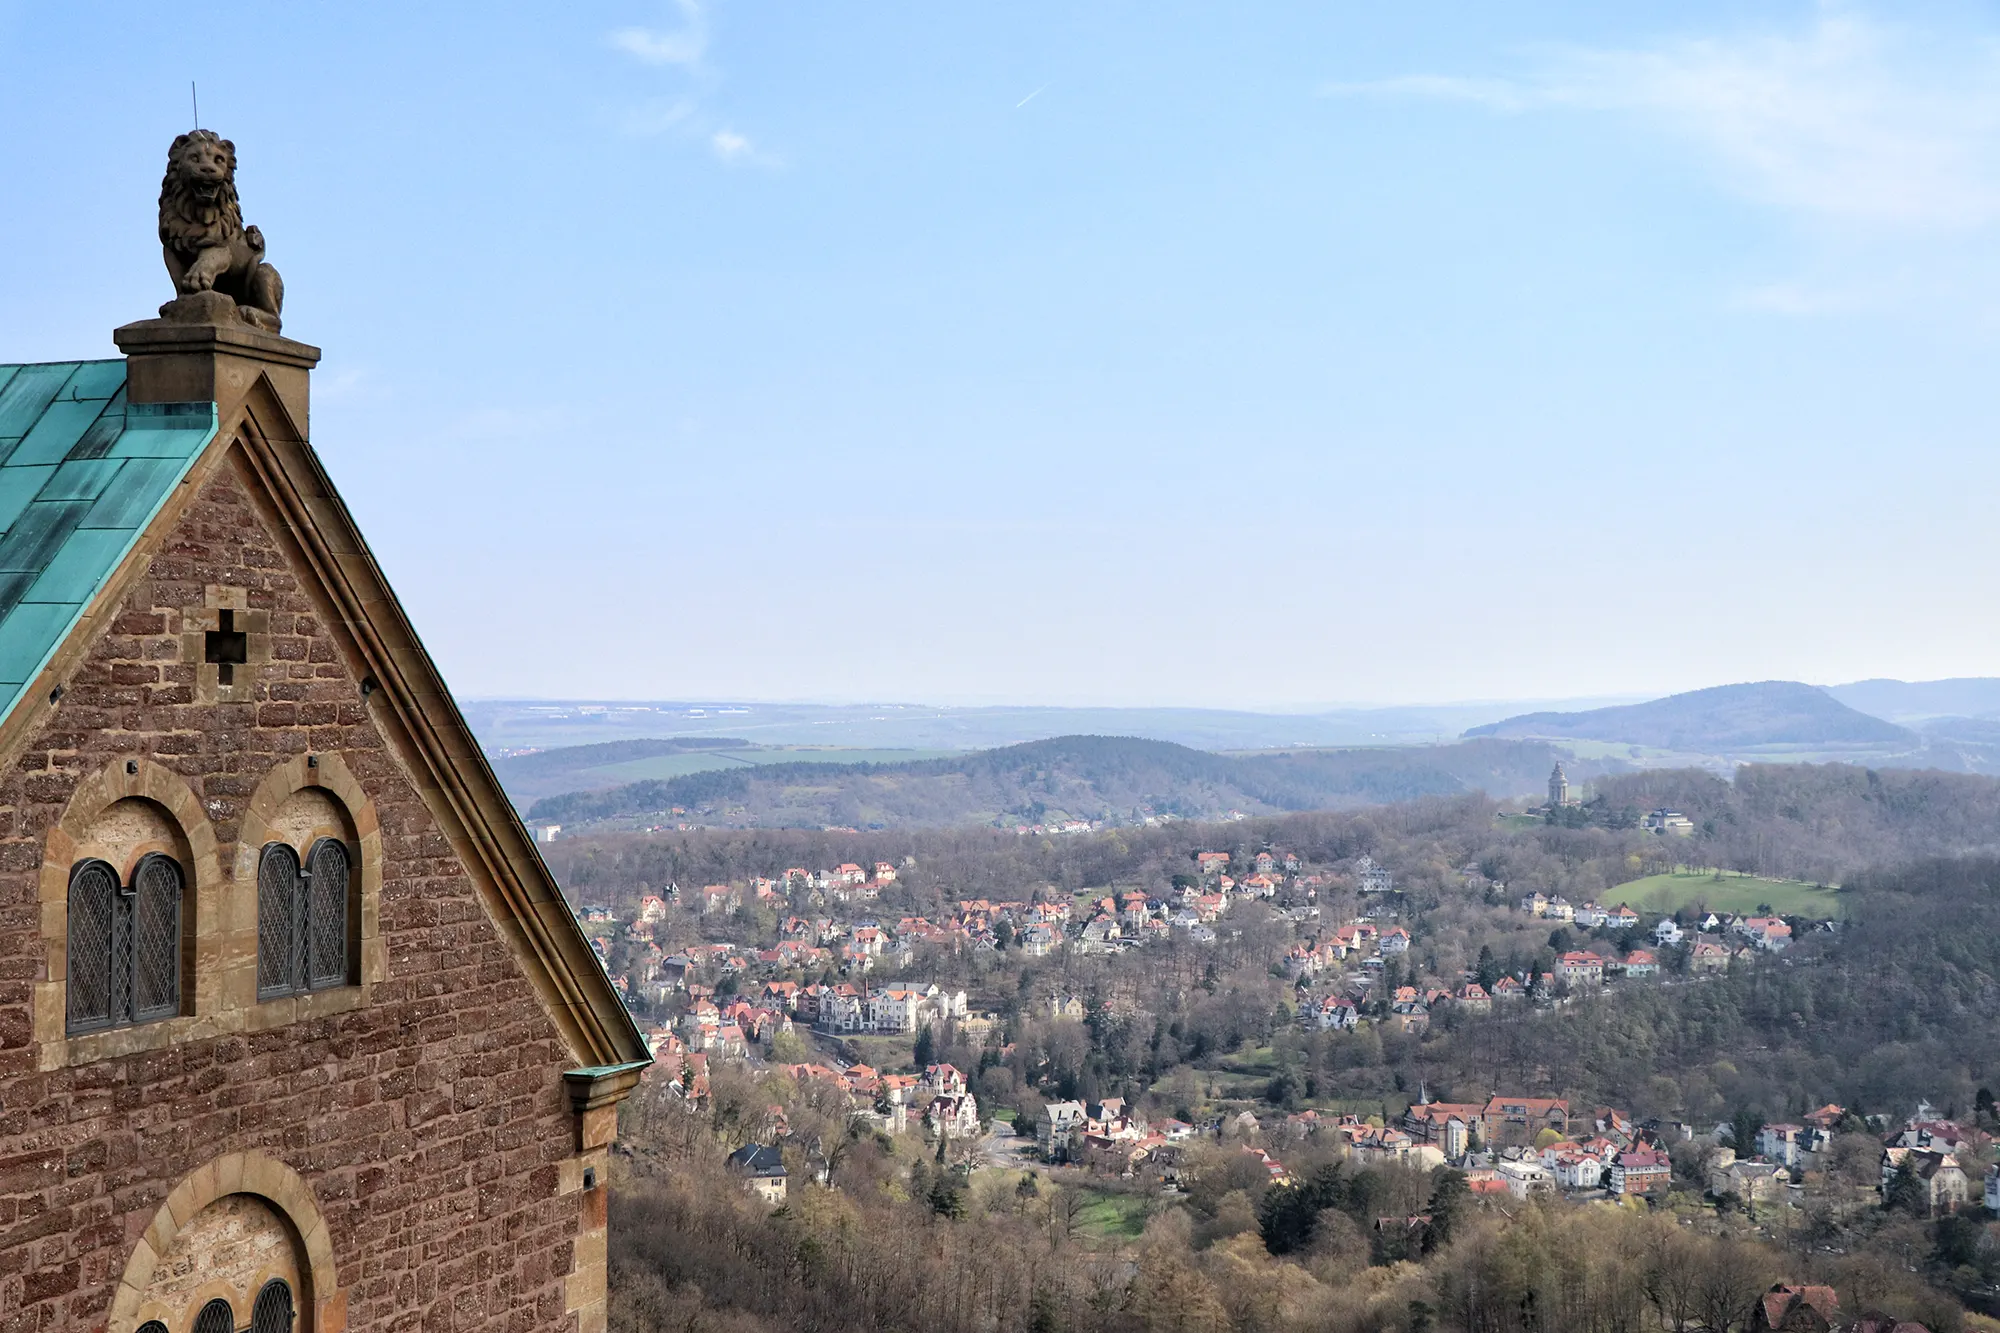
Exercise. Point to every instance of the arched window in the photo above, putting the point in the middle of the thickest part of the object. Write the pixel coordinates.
(273, 1311)
(215, 1317)
(326, 915)
(93, 893)
(152, 1326)
(156, 938)
(302, 918)
(124, 944)
(277, 914)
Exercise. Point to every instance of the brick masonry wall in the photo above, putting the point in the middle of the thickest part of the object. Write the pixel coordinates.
(432, 1125)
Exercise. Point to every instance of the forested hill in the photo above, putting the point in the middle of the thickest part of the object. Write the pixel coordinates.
(1727, 717)
(1070, 777)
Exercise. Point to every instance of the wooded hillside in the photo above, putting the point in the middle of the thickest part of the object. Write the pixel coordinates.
(1073, 777)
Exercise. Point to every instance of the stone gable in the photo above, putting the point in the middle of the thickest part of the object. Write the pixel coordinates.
(423, 1110)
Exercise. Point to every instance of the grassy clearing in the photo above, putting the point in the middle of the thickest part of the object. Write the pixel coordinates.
(1729, 893)
(1109, 1216)
(1251, 1060)
(887, 1054)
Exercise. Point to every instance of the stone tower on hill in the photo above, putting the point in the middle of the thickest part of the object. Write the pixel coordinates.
(1558, 788)
(296, 1030)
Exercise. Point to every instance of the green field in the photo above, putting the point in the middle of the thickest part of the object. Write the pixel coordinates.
(1729, 893)
(1109, 1215)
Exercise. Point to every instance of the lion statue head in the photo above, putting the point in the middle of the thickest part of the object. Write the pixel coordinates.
(206, 245)
(198, 204)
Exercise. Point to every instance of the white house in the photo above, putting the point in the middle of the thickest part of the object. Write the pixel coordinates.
(938, 1006)
(1338, 1014)
(955, 1116)
(1057, 1123)
(1573, 1168)
(1667, 932)
(844, 1010)
(1524, 1178)
(892, 1009)
(1780, 1143)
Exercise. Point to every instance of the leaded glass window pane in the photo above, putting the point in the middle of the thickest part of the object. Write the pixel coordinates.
(156, 939)
(278, 961)
(215, 1317)
(93, 894)
(273, 1311)
(326, 916)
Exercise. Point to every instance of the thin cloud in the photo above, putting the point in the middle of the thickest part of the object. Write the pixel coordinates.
(683, 53)
(684, 46)
(1848, 119)
(732, 147)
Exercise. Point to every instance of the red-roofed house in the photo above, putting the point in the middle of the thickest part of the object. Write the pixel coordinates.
(1793, 1309)
(1580, 967)
(1641, 1171)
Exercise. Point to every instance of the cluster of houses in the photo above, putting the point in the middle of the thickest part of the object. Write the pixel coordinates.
(853, 944)
(938, 1099)
(1517, 1147)
(1113, 1137)
(1725, 934)
(1361, 999)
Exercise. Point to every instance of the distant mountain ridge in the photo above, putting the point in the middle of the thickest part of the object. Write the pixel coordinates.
(1074, 777)
(1719, 719)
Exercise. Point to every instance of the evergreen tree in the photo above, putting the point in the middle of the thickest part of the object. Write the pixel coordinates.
(1906, 1193)
(1448, 1200)
(1743, 1127)
(946, 1200)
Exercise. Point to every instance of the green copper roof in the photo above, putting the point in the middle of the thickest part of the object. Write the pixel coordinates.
(81, 475)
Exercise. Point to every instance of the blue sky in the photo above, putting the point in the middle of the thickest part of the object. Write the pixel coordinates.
(1103, 353)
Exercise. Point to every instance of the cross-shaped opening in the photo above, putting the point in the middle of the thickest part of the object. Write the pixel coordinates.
(227, 647)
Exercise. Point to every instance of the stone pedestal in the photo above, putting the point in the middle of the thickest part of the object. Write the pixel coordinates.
(201, 350)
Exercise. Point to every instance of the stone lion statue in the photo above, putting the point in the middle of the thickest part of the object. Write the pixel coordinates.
(207, 247)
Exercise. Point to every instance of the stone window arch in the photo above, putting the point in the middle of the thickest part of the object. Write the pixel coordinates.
(310, 860)
(123, 873)
(241, 1234)
(124, 937)
(307, 909)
